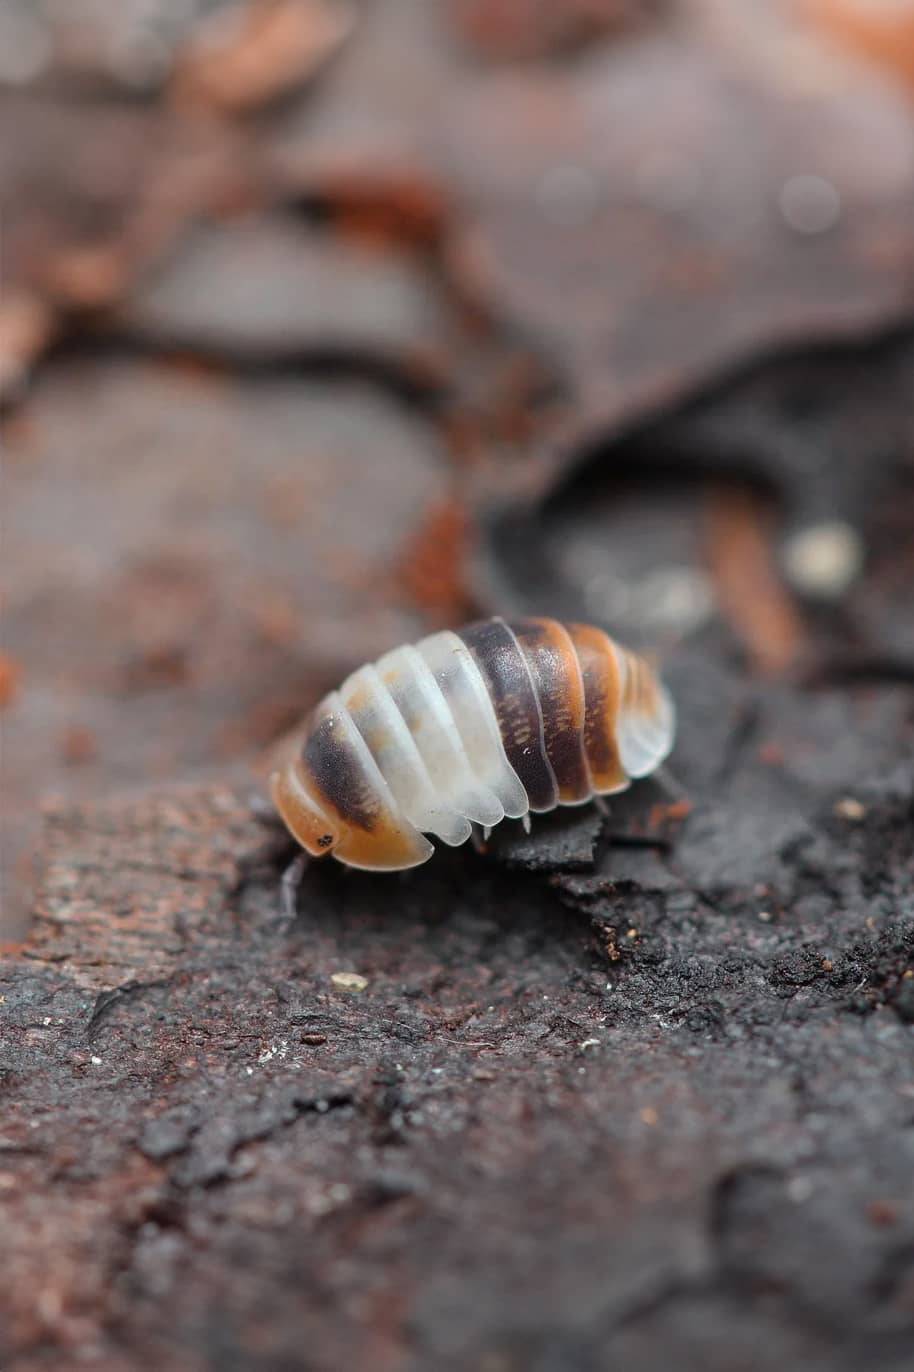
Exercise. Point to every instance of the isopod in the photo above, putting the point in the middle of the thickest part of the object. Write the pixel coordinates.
(472, 726)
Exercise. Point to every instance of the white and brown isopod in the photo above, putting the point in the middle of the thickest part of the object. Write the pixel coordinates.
(492, 721)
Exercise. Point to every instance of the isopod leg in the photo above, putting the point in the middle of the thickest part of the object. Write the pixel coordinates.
(668, 783)
(290, 885)
(479, 838)
(602, 806)
(525, 821)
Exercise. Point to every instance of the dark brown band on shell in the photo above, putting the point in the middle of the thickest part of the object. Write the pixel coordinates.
(557, 680)
(334, 770)
(507, 676)
(602, 699)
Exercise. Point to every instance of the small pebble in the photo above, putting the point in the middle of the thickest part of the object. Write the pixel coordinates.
(349, 981)
(799, 1189)
(850, 809)
(824, 560)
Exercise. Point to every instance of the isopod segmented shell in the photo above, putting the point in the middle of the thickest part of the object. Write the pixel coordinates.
(489, 722)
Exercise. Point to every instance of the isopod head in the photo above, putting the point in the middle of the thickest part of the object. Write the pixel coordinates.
(378, 843)
(301, 813)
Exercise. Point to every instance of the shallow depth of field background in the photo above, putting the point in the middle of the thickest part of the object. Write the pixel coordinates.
(327, 322)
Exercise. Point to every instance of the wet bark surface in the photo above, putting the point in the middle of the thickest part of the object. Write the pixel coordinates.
(352, 323)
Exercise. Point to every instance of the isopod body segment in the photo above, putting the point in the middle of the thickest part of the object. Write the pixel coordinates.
(487, 722)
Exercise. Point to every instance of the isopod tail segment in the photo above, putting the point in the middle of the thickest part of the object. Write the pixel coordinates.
(497, 720)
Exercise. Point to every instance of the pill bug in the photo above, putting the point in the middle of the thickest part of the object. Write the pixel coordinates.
(488, 722)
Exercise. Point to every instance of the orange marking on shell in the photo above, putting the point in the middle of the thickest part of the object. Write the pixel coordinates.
(377, 736)
(321, 830)
(641, 694)
(388, 846)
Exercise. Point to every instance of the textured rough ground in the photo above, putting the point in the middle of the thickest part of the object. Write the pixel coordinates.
(576, 1116)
